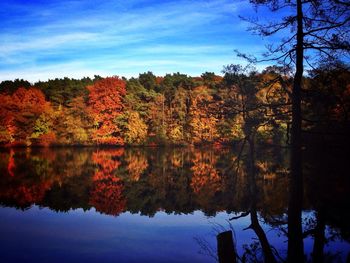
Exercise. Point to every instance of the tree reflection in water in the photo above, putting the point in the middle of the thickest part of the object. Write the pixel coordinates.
(106, 194)
(253, 184)
(295, 227)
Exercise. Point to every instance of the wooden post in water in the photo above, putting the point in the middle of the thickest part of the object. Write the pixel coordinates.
(226, 251)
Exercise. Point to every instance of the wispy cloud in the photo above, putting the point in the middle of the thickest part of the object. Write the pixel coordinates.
(125, 36)
(45, 42)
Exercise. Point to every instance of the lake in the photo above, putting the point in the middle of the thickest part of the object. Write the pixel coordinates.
(166, 204)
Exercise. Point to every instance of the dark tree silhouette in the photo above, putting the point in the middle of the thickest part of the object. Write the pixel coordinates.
(312, 31)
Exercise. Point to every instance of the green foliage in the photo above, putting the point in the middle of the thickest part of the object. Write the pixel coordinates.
(148, 80)
(62, 91)
(9, 86)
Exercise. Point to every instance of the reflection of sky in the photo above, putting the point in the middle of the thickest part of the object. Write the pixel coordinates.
(46, 236)
(41, 235)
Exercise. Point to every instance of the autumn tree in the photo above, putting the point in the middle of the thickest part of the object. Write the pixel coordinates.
(136, 129)
(202, 122)
(273, 95)
(43, 133)
(7, 120)
(135, 118)
(211, 80)
(19, 113)
(157, 122)
(74, 125)
(243, 105)
(106, 104)
(178, 114)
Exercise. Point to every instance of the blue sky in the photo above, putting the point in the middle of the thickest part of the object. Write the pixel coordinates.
(57, 38)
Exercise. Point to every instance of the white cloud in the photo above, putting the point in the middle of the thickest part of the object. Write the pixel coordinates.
(45, 42)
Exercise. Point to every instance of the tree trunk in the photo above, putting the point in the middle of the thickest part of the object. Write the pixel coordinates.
(295, 240)
(265, 245)
(319, 238)
(226, 251)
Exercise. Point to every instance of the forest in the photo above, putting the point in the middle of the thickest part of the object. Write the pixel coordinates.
(175, 109)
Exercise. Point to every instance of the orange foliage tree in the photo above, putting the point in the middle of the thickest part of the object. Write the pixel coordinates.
(7, 121)
(74, 123)
(106, 104)
(202, 122)
(18, 114)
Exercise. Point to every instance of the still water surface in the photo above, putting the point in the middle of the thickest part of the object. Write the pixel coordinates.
(162, 205)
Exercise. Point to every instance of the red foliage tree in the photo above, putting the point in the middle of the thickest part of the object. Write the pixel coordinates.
(7, 124)
(18, 113)
(106, 104)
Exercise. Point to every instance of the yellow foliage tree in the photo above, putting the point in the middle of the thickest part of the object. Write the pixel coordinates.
(136, 129)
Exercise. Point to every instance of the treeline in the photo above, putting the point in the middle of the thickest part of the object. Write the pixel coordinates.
(175, 109)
